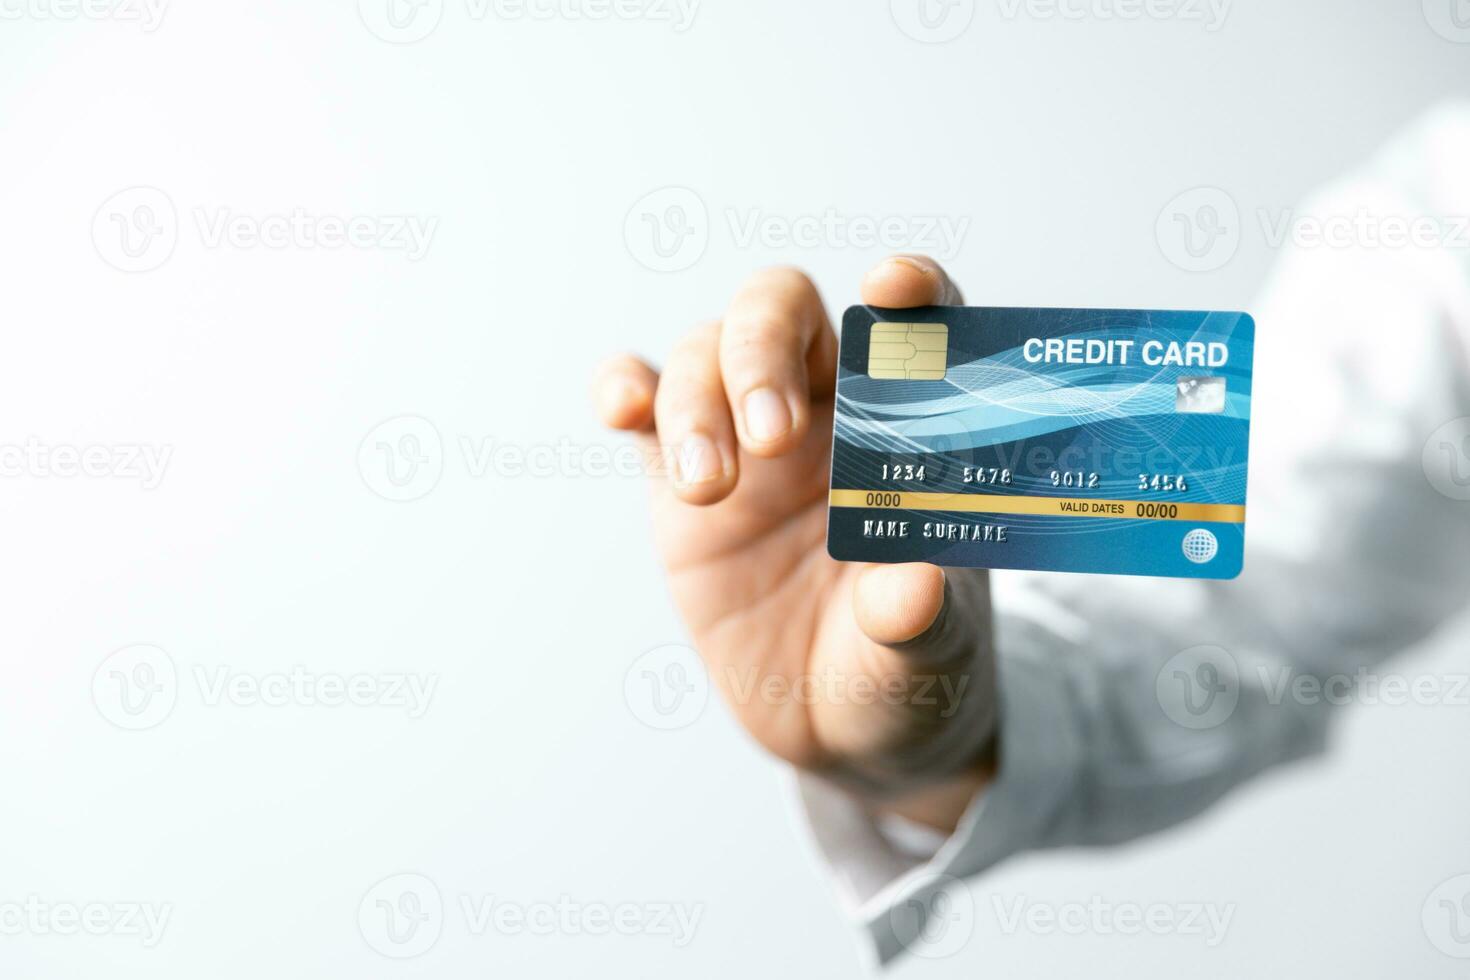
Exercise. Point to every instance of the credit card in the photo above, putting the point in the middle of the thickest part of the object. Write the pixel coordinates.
(1103, 441)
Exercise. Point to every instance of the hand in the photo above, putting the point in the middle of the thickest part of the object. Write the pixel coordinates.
(878, 676)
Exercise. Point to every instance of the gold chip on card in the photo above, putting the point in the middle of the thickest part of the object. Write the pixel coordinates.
(908, 351)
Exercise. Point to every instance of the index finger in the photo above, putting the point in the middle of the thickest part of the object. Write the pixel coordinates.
(777, 351)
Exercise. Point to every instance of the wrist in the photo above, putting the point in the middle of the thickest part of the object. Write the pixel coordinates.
(940, 805)
(936, 800)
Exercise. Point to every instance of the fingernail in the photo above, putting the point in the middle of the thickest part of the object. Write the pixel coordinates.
(767, 416)
(913, 263)
(698, 461)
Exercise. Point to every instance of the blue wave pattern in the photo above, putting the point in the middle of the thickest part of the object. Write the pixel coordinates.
(1118, 420)
(1055, 429)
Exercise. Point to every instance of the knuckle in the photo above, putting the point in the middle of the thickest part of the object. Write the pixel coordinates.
(759, 329)
(695, 346)
(684, 394)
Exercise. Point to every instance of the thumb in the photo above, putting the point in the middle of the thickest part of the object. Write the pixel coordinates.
(927, 625)
(904, 281)
(923, 617)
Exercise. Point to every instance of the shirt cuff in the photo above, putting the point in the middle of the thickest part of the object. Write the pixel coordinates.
(887, 872)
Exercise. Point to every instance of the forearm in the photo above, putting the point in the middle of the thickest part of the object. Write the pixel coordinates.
(1126, 706)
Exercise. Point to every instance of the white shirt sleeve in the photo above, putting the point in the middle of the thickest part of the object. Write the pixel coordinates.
(1129, 705)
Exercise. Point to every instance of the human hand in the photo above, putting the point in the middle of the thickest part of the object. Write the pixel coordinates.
(880, 677)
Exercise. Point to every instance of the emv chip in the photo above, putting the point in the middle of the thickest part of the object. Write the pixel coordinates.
(908, 351)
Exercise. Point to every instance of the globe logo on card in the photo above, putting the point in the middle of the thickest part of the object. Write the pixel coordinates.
(1200, 546)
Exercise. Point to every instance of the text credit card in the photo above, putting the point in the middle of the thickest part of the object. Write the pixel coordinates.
(1105, 441)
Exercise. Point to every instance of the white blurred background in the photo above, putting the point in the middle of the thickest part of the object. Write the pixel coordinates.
(344, 511)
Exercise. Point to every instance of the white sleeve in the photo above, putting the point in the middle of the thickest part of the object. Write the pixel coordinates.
(1129, 705)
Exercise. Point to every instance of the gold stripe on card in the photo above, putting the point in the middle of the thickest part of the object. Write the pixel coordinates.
(979, 503)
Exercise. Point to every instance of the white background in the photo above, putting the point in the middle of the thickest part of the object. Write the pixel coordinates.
(265, 546)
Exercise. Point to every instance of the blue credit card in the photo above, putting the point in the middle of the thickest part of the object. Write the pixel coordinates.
(1104, 441)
